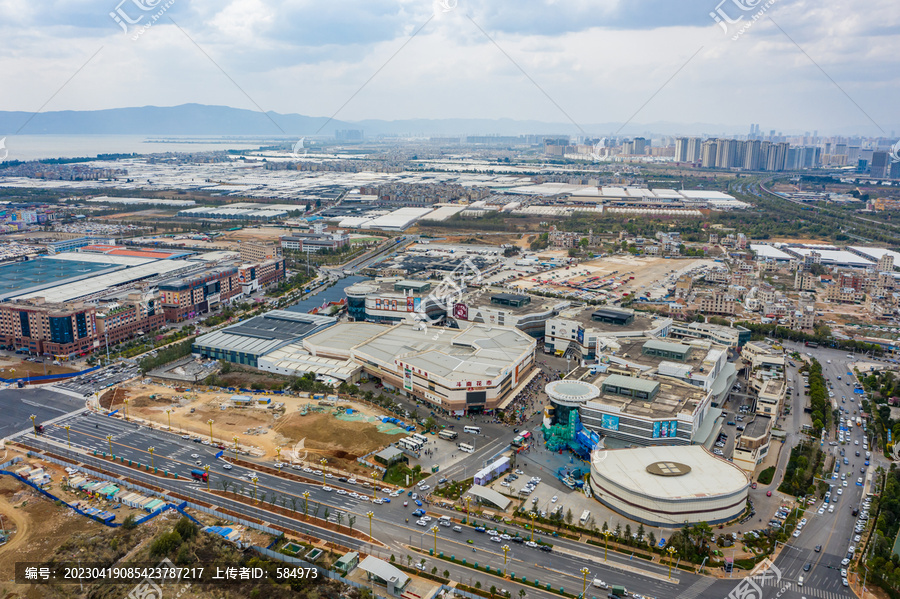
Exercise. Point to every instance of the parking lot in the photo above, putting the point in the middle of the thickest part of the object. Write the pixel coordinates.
(87, 384)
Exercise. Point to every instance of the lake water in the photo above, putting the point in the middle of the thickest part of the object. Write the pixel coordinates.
(38, 147)
(332, 294)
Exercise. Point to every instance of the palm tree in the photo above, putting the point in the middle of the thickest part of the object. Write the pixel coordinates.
(351, 520)
(294, 504)
(340, 518)
(522, 593)
(224, 483)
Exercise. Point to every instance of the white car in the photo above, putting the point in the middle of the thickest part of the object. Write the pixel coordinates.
(329, 475)
(497, 539)
(352, 481)
(554, 499)
(856, 539)
(195, 455)
(803, 521)
(821, 510)
(504, 484)
(227, 466)
(845, 561)
(327, 489)
(385, 490)
(278, 464)
(341, 492)
(421, 523)
(796, 533)
(426, 518)
(378, 501)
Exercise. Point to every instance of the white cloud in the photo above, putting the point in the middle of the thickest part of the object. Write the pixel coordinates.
(598, 60)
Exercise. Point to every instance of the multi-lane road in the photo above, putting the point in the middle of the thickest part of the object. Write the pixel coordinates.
(89, 432)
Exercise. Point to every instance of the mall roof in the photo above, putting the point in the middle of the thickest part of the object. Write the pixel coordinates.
(262, 334)
(489, 495)
(709, 476)
(630, 382)
(668, 346)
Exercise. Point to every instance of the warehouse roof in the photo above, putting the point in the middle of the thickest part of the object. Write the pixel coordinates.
(382, 570)
(677, 348)
(262, 334)
(670, 472)
(630, 382)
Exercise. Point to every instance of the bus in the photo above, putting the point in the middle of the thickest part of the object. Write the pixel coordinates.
(420, 437)
(465, 447)
(521, 440)
(475, 430)
(410, 444)
(584, 517)
(812, 344)
(448, 435)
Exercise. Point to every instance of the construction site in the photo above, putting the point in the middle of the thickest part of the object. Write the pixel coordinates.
(301, 428)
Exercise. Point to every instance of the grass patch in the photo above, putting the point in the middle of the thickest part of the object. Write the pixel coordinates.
(765, 477)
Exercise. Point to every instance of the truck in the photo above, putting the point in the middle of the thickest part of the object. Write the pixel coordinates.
(617, 592)
(200, 475)
(39, 428)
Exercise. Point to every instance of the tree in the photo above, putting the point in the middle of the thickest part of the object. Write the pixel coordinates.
(294, 503)
(522, 593)
(340, 518)
(569, 516)
(618, 531)
(351, 520)
(652, 539)
(408, 560)
(224, 484)
(640, 532)
(262, 497)
(185, 528)
(326, 513)
(446, 573)
(605, 526)
(393, 558)
(434, 571)
(493, 590)
(628, 532)
(129, 522)
(316, 507)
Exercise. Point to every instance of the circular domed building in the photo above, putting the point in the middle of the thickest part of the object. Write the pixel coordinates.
(669, 486)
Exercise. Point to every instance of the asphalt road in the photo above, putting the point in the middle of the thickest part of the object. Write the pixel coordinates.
(17, 405)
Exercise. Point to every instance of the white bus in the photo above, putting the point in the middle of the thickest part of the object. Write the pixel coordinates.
(420, 437)
(465, 447)
(584, 517)
(410, 444)
(448, 435)
(475, 430)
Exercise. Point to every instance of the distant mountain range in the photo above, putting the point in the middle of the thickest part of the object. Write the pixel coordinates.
(205, 120)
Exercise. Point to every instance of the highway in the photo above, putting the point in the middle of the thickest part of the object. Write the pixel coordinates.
(89, 431)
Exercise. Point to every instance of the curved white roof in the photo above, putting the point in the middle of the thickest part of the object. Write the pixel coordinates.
(708, 477)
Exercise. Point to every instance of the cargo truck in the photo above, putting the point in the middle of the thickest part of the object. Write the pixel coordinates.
(617, 592)
(200, 475)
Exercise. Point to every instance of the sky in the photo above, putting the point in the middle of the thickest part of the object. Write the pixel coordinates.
(789, 65)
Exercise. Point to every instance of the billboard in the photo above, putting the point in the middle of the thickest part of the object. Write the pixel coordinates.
(610, 422)
(407, 379)
(665, 429)
(461, 311)
(580, 335)
(410, 304)
(417, 303)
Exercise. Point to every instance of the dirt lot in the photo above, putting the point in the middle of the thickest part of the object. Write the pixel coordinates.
(646, 271)
(316, 435)
(13, 367)
(326, 436)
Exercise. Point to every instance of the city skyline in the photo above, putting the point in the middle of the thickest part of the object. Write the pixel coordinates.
(720, 64)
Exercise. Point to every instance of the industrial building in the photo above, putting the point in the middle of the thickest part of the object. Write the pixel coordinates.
(246, 342)
(188, 295)
(669, 486)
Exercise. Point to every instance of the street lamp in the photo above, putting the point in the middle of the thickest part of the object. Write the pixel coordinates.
(584, 574)
(323, 461)
(151, 450)
(305, 495)
(374, 486)
(169, 414)
(606, 534)
(33, 425)
(370, 515)
(68, 440)
(126, 408)
(277, 454)
(533, 516)
(255, 480)
(235, 439)
(207, 476)
(671, 552)
(109, 438)
(505, 550)
(210, 423)
(468, 515)
(434, 529)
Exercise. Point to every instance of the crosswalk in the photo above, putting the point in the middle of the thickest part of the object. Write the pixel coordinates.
(697, 588)
(808, 591)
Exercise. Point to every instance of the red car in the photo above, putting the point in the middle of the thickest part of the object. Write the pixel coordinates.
(753, 486)
(768, 493)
